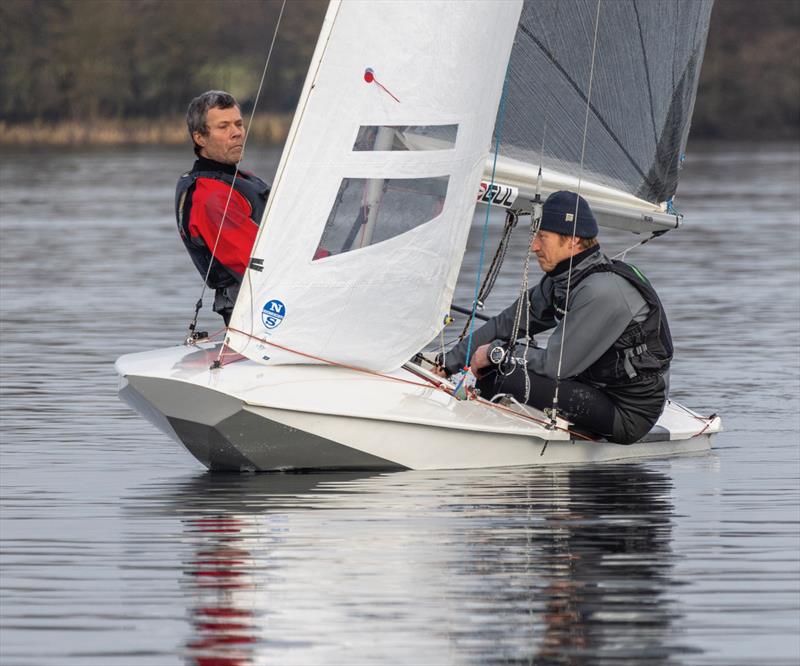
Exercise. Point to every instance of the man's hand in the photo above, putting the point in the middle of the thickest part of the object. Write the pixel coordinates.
(480, 359)
(439, 371)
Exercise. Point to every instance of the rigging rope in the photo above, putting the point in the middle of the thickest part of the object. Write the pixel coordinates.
(512, 217)
(199, 304)
(431, 382)
(499, 257)
(501, 116)
(287, 150)
(524, 302)
(655, 234)
(575, 217)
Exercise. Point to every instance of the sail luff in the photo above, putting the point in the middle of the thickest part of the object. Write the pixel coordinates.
(316, 58)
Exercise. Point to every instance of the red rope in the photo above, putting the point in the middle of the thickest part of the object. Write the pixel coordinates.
(337, 364)
(386, 90)
(430, 383)
(709, 421)
(533, 418)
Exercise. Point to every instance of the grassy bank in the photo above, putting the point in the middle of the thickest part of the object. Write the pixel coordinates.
(268, 129)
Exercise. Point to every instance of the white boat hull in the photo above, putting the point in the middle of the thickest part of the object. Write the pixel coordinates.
(246, 416)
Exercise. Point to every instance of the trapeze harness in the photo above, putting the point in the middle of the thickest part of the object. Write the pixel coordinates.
(628, 379)
(644, 349)
(252, 188)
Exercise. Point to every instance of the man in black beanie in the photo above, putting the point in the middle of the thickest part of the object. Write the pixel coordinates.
(616, 341)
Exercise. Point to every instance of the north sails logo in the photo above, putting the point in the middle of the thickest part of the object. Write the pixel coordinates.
(273, 313)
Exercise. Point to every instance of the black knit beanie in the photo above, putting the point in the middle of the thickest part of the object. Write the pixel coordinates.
(558, 215)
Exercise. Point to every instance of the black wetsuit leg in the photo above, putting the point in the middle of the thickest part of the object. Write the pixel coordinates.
(224, 300)
(623, 414)
(585, 406)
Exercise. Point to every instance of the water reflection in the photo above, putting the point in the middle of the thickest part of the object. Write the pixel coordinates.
(505, 567)
(224, 631)
(606, 554)
(232, 524)
(526, 566)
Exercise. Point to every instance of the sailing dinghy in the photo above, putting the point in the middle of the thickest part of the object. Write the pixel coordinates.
(408, 110)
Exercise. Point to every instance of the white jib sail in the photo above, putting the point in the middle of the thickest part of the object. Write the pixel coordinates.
(360, 246)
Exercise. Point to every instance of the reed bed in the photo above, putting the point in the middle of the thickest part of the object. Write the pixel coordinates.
(269, 129)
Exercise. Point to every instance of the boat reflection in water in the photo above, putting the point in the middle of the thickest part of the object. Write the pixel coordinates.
(532, 565)
(232, 523)
(224, 629)
(605, 557)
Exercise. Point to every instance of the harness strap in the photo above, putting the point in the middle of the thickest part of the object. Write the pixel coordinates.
(628, 354)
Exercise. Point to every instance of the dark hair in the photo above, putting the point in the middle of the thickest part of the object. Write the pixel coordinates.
(197, 113)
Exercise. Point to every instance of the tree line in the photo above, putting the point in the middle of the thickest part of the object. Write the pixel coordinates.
(87, 60)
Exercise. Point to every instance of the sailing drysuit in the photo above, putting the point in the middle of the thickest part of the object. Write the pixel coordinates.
(616, 350)
(202, 197)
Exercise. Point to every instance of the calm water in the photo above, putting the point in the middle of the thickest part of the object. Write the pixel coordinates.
(117, 547)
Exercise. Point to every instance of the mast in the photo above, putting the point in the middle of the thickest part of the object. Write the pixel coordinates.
(383, 141)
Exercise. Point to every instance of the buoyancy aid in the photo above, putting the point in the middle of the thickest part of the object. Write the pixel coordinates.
(645, 348)
(252, 188)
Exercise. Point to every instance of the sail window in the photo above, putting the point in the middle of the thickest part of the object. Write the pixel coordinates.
(405, 137)
(370, 210)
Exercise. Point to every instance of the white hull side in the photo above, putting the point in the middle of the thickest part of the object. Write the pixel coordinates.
(414, 446)
(354, 422)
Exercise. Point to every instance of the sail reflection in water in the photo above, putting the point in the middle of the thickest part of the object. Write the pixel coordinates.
(520, 564)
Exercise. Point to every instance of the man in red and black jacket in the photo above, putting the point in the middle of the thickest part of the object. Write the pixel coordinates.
(218, 223)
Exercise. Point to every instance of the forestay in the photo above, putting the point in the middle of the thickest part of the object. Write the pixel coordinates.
(646, 67)
(360, 247)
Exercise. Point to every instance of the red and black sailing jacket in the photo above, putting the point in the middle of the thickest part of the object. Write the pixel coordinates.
(201, 197)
